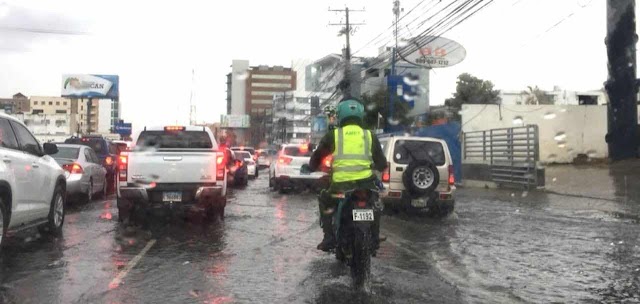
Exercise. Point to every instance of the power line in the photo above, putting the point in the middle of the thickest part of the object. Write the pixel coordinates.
(42, 31)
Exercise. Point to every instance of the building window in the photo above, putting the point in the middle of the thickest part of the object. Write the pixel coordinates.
(61, 111)
(270, 76)
(57, 103)
(35, 103)
(260, 85)
(64, 103)
(50, 103)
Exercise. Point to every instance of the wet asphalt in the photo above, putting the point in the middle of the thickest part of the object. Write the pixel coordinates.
(499, 246)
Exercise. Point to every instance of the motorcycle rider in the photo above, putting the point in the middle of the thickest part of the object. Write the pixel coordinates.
(356, 153)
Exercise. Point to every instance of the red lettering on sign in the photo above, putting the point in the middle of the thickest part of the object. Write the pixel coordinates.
(425, 51)
(441, 52)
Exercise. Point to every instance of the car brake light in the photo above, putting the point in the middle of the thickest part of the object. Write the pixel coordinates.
(108, 160)
(304, 149)
(386, 174)
(174, 128)
(283, 160)
(123, 165)
(220, 169)
(73, 168)
(452, 179)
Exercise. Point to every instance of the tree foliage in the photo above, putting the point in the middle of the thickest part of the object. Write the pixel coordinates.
(472, 90)
(376, 105)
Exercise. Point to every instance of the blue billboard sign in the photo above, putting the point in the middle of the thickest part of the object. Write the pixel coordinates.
(123, 128)
(90, 86)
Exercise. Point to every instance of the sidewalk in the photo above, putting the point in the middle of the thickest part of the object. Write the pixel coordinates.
(618, 181)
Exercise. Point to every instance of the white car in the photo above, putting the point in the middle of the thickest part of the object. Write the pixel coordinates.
(265, 157)
(247, 158)
(32, 184)
(285, 174)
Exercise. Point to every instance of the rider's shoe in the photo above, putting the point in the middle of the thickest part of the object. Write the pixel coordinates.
(328, 243)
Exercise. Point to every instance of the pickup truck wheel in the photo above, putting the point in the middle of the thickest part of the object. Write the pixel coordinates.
(4, 222)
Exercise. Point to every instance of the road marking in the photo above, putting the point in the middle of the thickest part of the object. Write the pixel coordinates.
(118, 279)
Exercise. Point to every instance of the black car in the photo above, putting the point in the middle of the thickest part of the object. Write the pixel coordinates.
(237, 169)
(106, 151)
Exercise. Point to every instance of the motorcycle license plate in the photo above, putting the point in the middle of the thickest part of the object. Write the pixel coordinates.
(362, 215)
(171, 196)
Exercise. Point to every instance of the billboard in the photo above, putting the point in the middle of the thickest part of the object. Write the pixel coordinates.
(90, 86)
(436, 52)
(123, 128)
(234, 121)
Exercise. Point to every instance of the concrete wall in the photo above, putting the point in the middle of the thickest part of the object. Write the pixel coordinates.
(565, 131)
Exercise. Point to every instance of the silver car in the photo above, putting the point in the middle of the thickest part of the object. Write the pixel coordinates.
(84, 172)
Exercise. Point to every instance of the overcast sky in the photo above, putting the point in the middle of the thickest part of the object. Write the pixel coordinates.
(154, 45)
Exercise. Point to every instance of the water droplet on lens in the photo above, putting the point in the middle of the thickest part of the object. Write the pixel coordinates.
(242, 75)
(560, 136)
(554, 179)
(592, 154)
(563, 110)
(525, 193)
(518, 121)
(409, 97)
(371, 107)
(393, 122)
(549, 115)
(411, 81)
(513, 194)
(552, 157)
(562, 144)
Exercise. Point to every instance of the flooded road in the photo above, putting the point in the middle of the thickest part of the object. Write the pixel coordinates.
(499, 246)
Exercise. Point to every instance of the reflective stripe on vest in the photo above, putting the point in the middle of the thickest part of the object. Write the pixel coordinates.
(352, 155)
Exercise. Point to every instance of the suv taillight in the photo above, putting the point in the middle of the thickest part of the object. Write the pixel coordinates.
(284, 160)
(386, 174)
(123, 166)
(452, 179)
(220, 167)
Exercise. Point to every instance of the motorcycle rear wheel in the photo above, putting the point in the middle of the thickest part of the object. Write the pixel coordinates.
(361, 258)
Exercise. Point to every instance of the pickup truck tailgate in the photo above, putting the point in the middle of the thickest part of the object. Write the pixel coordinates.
(173, 167)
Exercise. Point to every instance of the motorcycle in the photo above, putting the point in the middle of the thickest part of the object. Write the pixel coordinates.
(353, 222)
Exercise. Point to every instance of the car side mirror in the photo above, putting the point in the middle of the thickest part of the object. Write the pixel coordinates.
(50, 148)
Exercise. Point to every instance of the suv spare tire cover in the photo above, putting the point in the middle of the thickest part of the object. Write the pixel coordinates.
(426, 178)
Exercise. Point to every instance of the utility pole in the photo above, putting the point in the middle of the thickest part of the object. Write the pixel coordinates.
(89, 105)
(391, 91)
(622, 86)
(345, 84)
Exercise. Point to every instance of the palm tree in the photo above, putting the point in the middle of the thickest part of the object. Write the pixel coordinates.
(536, 96)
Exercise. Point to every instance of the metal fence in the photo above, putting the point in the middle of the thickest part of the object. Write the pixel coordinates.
(512, 153)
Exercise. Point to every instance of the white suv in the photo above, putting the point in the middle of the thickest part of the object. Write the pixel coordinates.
(419, 174)
(285, 174)
(32, 184)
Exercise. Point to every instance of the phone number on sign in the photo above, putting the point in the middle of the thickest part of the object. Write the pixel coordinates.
(432, 61)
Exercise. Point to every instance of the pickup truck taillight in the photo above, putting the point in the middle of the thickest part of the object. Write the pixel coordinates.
(123, 166)
(220, 168)
(386, 174)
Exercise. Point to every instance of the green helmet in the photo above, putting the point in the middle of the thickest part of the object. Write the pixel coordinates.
(350, 108)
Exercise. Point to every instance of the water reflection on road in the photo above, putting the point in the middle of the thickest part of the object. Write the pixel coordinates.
(499, 246)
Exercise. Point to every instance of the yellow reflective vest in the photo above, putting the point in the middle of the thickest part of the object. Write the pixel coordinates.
(352, 154)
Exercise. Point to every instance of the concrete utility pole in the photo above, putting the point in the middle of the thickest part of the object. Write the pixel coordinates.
(622, 86)
(345, 84)
(391, 91)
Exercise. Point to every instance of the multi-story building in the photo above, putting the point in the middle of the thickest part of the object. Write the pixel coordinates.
(250, 91)
(48, 127)
(17, 104)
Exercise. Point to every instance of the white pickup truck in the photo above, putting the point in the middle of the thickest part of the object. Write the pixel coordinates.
(173, 168)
